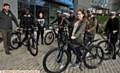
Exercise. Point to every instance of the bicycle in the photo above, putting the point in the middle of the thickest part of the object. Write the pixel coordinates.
(107, 46)
(60, 56)
(50, 36)
(31, 43)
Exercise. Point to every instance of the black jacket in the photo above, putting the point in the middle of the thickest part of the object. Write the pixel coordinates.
(6, 20)
(112, 24)
(71, 19)
(27, 21)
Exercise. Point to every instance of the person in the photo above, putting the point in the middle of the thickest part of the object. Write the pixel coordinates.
(90, 29)
(112, 30)
(6, 18)
(27, 21)
(71, 19)
(62, 22)
(77, 35)
(41, 26)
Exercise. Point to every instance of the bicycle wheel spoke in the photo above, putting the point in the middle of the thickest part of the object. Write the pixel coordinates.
(56, 61)
(14, 41)
(94, 57)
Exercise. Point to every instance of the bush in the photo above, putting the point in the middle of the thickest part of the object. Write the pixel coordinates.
(102, 22)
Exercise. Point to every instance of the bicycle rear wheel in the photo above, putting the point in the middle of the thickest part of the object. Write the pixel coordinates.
(108, 49)
(93, 57)
(56, 60)
(15, 40)
(32, 46)
(49, 38)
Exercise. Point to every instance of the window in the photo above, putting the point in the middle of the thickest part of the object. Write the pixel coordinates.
(22, 4)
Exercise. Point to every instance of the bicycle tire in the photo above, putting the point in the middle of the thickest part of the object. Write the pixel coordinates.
(95, 53)
(49, 54)
(105, 44)
(47, 37)
(15, 42)
(32, 46)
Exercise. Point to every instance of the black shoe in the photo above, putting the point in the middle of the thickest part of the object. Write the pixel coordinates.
(42, 43)
(114, 57)
(37, 43)
(1, 39)
(7, 52)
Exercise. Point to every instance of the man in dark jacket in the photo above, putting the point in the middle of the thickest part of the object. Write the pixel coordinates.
(6, 17)
(112, 30)
(62, 22)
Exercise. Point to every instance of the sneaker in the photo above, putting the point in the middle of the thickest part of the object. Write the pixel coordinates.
(62, 66)
(70, 64)
(88, 54)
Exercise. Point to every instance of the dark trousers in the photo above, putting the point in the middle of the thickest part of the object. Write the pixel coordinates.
(76, 51)
(40, 31)
(113, 39)
(6, 34)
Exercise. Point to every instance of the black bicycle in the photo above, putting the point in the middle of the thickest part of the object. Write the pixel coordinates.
(92, 57)
(50, 36)
(107, 46)
(31, 43)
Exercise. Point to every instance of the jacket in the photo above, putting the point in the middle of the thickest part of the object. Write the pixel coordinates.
(79, 34)
(112, 24)
(6, 20)
(92, 24)
(27, 21)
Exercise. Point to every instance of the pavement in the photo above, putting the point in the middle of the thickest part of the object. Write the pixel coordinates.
(21, 59)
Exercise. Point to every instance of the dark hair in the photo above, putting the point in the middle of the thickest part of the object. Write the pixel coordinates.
(25, 10)
(6, 4)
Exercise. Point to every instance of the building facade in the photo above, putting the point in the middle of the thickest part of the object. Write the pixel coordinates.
(49, 7)
(82, 4)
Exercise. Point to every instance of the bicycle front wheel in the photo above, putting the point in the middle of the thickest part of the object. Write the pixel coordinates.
(15, 40)
(49, 38)
(93, 57)
(108, 49)
(56, 61)
(33, 47)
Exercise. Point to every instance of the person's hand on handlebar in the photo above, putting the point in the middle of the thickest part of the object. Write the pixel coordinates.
(73, 37)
